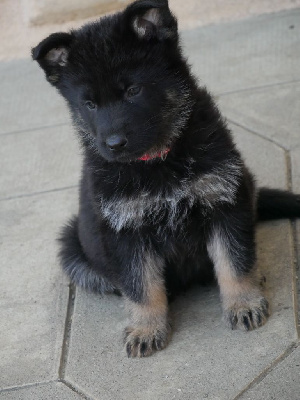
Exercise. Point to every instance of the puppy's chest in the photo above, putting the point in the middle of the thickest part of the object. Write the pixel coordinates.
(172, 209)
(144, 209)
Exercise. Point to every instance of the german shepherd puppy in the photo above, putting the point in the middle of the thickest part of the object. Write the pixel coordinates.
(164, 192)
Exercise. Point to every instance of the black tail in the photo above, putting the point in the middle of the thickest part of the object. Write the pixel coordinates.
(277, 204)
(75, 263)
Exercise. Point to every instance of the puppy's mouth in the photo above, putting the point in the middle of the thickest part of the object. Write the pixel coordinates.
(151, 156)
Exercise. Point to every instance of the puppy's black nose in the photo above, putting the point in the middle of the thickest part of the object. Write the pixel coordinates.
(116, 142)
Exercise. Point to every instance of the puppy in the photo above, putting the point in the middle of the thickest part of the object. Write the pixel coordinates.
(164, 192)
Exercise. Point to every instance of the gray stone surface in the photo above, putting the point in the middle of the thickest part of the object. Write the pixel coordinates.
(273, 112)
(39, 160)
(255, 52)
(283, 383)
(262, 157)
(204, 358)
(27, 101)
(48, 391)
(33, 290)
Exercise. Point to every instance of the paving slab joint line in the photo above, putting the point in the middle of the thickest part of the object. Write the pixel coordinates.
(26, 385)
(35, 128)
(75, 389)
(269, 369)
(255, 133)
(296, 265)
(289, 170)
(250, 89)
(20, 196)
(67, 332)
(296, 282)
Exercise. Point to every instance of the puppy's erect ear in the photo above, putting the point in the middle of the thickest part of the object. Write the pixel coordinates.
(152, 19)
(52, 55)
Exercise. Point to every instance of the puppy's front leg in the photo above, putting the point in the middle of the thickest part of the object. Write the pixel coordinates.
(231, 247)
(149, 330)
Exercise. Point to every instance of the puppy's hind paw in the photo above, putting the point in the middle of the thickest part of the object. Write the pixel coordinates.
(144, 341)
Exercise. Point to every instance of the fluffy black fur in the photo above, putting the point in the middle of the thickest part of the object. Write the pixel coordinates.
(147, 227)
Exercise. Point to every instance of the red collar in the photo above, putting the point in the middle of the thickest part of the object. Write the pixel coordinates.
(160, 154)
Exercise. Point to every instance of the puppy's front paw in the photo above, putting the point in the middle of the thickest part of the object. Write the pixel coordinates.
(247, 312)
(144, 341)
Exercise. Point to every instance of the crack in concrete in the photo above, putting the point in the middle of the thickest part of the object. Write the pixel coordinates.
(42, 192)
(255, 88)
(25, 386)
(279, 145)
(75, 389)
(269, 369)
(295, 249)
(37, 128)
(67, 332)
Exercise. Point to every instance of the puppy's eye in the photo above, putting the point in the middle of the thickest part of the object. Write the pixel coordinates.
(90, 105)
(133, 91)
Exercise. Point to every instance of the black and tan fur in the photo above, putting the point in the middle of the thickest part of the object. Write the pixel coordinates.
(148, 227)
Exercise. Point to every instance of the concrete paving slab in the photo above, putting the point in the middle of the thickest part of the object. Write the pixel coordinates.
(27, 101)
(262, 158)
(273, 112)
(38, 160)
(34, 292)
(204, 358)
(53, 390)
(255, 52)
(283, 383)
